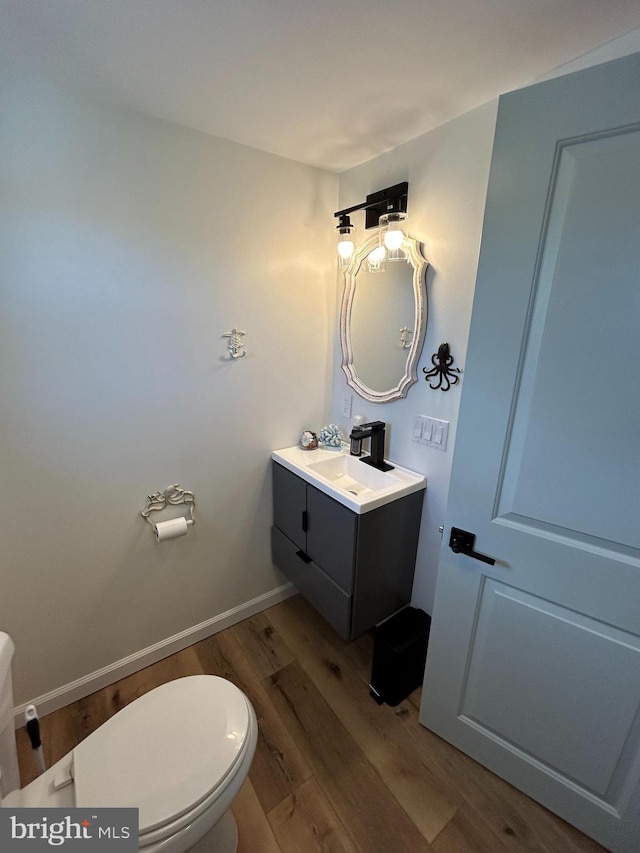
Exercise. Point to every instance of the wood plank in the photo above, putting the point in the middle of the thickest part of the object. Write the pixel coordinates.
(254, 833)
(468, 833)
(62, 734)
(310, 617)
(92, 711)
(26, 757)
(262, 644)
(359, 653)
(179, 665)
(130, 688)
(521, 824)
(127, 689)
(375, 821)
(306, 821)
(430, 800)
(278, 767)
(415, 698)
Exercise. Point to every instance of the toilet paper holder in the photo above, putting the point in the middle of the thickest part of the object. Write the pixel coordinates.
(171, 496)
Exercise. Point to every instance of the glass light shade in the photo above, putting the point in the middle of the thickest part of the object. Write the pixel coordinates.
(393, 231)
(393, 239)
(346, 243)
(345, 248)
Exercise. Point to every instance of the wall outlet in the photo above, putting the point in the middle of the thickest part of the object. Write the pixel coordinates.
(347, 400)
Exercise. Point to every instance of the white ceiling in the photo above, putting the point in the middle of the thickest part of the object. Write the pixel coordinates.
(326, 82)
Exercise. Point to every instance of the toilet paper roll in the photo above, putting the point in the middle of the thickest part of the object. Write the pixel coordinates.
(171, 529)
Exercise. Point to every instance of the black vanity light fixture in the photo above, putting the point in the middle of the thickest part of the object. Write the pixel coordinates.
(386, 210)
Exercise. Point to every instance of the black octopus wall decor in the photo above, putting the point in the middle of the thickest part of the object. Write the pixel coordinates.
(442, 371)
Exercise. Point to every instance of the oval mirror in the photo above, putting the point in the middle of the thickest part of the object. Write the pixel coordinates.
(383, 319)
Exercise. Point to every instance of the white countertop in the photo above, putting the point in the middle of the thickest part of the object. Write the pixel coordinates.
(354, 484)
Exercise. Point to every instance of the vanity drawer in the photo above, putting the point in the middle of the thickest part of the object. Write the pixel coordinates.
(323, 593)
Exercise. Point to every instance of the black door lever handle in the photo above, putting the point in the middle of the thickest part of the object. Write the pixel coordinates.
(462, 542)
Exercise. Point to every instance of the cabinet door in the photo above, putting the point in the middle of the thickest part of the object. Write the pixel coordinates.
(331, 537)
(289, 505)
(322, 593)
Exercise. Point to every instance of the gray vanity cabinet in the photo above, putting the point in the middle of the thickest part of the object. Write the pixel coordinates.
(354, 569)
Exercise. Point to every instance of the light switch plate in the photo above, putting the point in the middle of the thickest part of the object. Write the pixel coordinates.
(431, 432)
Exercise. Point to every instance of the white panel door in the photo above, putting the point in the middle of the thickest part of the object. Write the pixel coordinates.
(534, 662)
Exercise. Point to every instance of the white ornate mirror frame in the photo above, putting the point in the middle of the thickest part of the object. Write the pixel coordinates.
(419, 264)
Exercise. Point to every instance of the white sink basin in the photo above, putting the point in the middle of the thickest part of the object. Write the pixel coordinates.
(346, 478)
(350, 474)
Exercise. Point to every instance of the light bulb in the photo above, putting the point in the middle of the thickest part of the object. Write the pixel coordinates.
(346, 244)
(393, 239)
(376, 259)
(345, 248)
(392, 227)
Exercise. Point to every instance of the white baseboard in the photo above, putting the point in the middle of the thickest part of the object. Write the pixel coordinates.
(81, 687)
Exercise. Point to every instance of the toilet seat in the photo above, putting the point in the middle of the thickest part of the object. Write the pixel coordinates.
(170, 753)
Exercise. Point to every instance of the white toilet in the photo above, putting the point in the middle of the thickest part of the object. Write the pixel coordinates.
(179, 754)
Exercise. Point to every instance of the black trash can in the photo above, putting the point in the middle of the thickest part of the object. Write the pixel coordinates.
(399, 655)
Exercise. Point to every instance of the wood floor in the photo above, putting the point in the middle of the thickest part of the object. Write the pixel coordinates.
(333, 771)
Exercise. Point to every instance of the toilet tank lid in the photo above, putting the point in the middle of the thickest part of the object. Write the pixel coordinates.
(166, 751)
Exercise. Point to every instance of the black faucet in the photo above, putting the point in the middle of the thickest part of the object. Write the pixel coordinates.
(375, 431)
